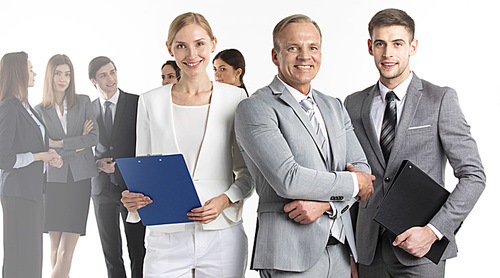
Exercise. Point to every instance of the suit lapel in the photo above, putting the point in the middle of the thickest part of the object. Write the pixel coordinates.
(54, 119)
(46, 138)
(71, 121)
(329, 121)
(212, 116)
(33, 123)
(412, 100)
(279, 89)
(120, 111)
(368, 125)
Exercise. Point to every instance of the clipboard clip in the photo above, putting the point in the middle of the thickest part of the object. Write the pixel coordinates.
(148, 155)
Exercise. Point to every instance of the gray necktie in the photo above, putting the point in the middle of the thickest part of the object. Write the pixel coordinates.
(388, 132)
(108, 119)
(308, 106)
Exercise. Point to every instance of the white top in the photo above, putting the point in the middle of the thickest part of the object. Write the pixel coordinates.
(63, 118)
(190, 123)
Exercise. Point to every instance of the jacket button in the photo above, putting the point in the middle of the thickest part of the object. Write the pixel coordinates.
(111, 147)
(387, 179)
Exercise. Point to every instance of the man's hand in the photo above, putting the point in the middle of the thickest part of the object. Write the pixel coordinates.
(365, 182)
(134, 201)
(305, 212)
(354, 268)
(107, 165)
(416, 241)
(210, 210)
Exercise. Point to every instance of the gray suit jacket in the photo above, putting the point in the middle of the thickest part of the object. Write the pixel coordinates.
(82, 163)
(432, 130)
(281, 151)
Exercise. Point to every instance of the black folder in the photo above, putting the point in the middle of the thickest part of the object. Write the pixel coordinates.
(412, 200)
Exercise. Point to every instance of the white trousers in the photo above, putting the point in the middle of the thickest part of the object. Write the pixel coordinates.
(197, 253)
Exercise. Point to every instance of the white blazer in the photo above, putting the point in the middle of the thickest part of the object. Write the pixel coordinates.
(219, 155)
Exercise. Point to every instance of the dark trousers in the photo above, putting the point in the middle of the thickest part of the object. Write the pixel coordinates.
(108, 209)
(387, 265)
(22, 237)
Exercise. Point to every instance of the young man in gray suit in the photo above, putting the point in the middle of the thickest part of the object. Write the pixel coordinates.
(298, 144)
(116, 115)
(403, 117)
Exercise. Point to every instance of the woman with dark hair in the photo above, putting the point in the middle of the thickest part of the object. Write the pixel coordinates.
(24, 147)
(68, 118)
(229, 68)
(170, 73)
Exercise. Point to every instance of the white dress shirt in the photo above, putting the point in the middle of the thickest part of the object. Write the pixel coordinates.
(379, 103)
(378, 109)
(113, 100)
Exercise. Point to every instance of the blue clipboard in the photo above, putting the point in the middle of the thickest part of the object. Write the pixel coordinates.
(167, 181)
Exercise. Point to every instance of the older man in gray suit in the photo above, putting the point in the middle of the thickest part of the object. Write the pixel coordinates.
(297, 143)
(403, 117)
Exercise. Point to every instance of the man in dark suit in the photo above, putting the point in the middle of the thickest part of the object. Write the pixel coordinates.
(403, 117)
(116, 113)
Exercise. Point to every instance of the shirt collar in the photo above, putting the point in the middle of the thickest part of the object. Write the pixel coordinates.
(113, 99)
(295, 93)
(400, 90)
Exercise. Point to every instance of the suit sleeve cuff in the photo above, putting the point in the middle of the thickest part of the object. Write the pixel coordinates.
(436, 232)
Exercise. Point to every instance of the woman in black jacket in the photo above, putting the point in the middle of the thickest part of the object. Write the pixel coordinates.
(23, 151)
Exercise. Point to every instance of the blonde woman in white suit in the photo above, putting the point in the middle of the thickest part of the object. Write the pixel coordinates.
(195, 117)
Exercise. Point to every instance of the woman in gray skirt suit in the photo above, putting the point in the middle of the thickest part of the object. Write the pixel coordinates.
(69, 119)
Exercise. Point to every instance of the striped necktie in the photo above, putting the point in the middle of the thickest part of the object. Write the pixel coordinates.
(388, 132)
(308, 105)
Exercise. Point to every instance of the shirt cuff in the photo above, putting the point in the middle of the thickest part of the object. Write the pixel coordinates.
(436, 232)
(355, 186)
(332, 213)
(234, 194)
(133, 217)
(23, 160)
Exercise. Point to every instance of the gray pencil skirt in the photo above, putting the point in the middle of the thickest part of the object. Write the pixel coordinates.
(67, 206)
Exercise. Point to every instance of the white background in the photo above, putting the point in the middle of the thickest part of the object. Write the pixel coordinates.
(457, 41)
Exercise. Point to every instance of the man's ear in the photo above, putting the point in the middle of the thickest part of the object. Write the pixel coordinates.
(274, 55)
(93, 81)
(370, 50)
(413, 47)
